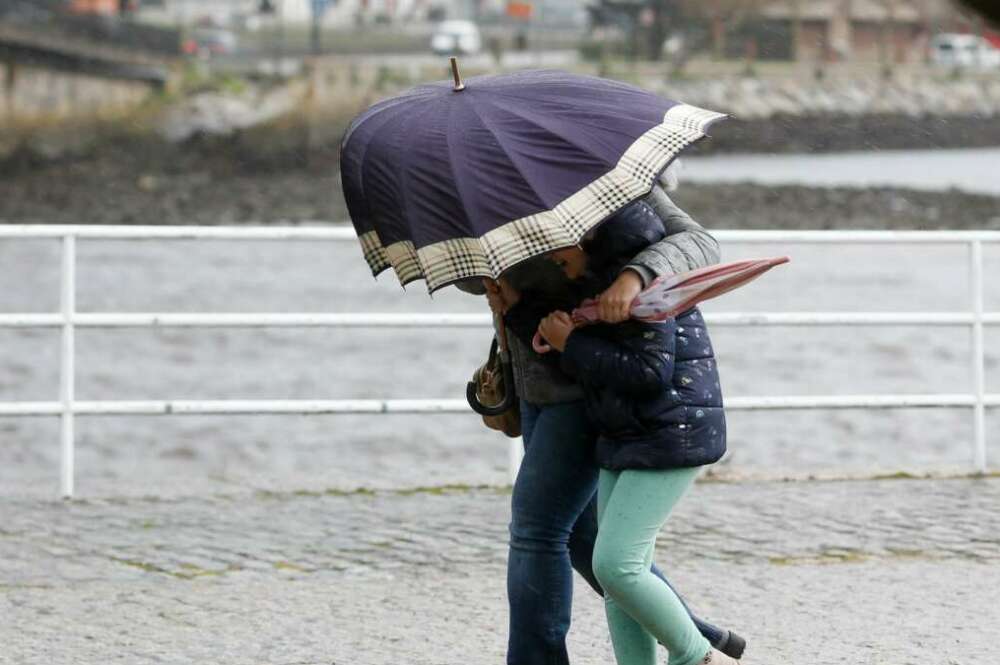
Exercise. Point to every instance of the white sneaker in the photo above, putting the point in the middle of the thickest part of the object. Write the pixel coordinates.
(716, 657)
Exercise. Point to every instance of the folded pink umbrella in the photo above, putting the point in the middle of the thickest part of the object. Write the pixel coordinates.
(670, 295)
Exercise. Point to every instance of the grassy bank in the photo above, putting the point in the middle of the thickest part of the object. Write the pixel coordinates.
(782, 108)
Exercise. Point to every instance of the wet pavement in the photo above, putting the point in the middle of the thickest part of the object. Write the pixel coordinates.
(891, 571)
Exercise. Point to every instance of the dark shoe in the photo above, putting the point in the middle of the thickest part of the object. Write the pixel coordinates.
(732, 645)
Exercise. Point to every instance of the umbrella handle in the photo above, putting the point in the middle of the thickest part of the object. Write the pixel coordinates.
(539, 344)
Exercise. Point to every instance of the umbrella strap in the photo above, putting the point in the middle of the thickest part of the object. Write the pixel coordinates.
(501, 331)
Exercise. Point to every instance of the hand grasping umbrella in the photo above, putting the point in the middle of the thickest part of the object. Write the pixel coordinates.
(670, 295)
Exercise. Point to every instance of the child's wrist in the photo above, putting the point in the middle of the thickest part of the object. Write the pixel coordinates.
(565, 342)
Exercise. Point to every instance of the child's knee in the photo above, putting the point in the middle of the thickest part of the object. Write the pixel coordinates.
(613, 570)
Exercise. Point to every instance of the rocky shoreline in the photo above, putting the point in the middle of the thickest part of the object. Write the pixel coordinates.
(215, 184)
(302, 120)
(917, 93)
(749, 206)
(844, 110)
(842, 132)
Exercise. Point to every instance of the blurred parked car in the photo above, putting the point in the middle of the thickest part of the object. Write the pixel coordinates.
(955, 50)
(456, 37)
(206, 42)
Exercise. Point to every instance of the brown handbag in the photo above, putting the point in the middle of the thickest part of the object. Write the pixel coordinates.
(491, 392)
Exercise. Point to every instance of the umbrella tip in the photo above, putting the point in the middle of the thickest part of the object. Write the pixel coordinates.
(454, 72)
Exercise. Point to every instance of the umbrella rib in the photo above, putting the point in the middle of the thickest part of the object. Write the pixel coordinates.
(549, 129)
(459, 187)
(367, 151)
(513, 162)
(375, 112)
(406, 232)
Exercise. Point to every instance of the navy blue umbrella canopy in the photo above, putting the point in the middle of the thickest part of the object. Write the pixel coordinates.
(444, 184)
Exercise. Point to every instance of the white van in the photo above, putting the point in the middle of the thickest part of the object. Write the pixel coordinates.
(955, 50)
(456, 38)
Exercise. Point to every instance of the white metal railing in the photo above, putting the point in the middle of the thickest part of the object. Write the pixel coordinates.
(68, 319)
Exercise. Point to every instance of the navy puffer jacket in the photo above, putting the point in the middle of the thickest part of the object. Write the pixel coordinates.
(651, 388)
(653, 391)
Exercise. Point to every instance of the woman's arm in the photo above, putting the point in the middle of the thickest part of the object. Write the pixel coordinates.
(639, 361)
(687, 245)
(639, 367)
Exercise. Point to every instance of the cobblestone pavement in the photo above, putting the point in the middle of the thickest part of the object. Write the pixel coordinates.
(879, 572)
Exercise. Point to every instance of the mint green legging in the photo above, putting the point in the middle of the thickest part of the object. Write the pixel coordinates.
(632, 507)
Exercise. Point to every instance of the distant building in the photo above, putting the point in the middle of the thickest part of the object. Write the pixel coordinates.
(254, 13)
(223, 13)
(251, 14)
(551, 13)
(93, 7)
(841, 30)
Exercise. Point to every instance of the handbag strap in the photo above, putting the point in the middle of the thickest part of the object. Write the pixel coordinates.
(501, 336)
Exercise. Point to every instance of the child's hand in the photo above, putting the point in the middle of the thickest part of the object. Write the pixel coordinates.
(614, 304)
(555, 328)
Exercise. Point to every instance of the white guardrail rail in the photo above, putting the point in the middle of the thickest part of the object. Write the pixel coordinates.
(68, 319)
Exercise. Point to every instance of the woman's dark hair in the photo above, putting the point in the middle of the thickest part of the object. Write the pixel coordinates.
(539, 275)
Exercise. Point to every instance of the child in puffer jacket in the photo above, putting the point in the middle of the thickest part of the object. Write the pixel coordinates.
(653, 391)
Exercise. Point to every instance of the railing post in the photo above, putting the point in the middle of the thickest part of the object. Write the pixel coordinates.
(516, 455)
(67, 363)
(978, 356)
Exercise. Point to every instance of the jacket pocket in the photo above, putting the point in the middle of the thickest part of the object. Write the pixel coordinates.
(618, 415)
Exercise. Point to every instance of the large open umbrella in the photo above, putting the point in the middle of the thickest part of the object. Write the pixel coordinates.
(450, 181)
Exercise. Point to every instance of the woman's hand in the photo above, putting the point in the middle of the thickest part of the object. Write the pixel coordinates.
(500, 295)
(613, 305)
(556, 328)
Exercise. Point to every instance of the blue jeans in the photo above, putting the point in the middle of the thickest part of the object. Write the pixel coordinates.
(552, 531)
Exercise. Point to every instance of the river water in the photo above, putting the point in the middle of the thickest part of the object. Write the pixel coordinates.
(169, 455)
(971, 170)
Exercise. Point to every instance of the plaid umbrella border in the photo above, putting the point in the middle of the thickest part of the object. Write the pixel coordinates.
(454, 260)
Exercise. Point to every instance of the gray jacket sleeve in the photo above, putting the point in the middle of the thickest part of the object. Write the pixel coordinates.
(686, 247)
